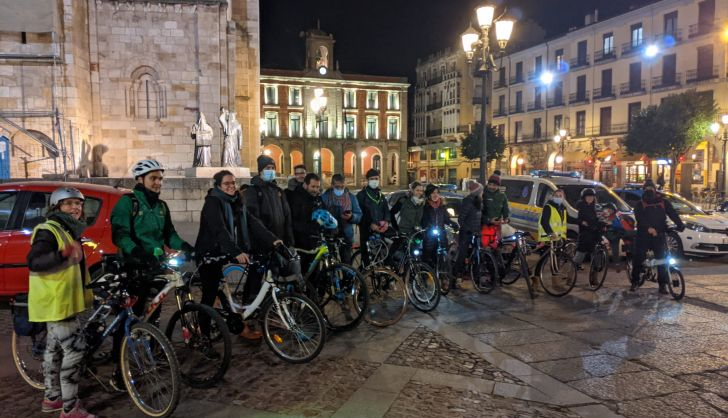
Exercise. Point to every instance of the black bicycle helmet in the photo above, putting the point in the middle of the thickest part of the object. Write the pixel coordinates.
(610, 205)
(588, 192)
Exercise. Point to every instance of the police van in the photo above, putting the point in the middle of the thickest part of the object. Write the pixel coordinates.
(528, 194)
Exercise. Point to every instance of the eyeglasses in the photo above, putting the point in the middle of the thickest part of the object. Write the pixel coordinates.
(229, 184)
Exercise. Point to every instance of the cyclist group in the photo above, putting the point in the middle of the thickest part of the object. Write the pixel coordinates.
(239, 222)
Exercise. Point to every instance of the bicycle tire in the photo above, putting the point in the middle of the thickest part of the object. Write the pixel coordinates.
(132, 381)
(676, 290)
(28, 358)
(509, 277)
(443, 273)
(483, 273)
(309, 326)
(197, 368)
(347, 292)
(526, 273)
(598, 268)
(566, 275)
(387, 297)
(423, 288)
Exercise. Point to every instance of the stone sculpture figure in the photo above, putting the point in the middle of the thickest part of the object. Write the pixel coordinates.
(233, 141)
(202, 134)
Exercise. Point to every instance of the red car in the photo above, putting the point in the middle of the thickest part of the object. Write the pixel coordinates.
(24, 205)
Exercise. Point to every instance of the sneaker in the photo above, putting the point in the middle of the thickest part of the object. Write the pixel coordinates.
(117, 381)
(459, 283)
(663, 289)
(51, 406)
(77, 412)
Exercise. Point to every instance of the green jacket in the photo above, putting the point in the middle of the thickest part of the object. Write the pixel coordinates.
(495, 205)
(410, 215)
(152, 226)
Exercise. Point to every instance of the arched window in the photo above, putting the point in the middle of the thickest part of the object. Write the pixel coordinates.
(147, 99)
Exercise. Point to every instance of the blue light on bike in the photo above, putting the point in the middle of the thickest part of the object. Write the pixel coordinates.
(416, 252)
(435, 231)
(174, 262)
(672, 261)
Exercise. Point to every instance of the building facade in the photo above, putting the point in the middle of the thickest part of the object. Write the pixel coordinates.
(591, 81)
(363, 124)
(128, 79)
(446, 107)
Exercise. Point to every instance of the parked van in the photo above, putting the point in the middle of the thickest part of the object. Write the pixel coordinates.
(528, 194)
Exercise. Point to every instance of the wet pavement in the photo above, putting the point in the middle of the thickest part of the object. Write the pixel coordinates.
(587, 354)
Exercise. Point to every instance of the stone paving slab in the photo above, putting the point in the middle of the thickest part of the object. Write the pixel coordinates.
(519, 337)
(674, 364)
(587, 366)
(628, 386)
(550, 350)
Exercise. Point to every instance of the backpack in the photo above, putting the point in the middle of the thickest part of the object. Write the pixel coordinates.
(135, 213)
(660, 204)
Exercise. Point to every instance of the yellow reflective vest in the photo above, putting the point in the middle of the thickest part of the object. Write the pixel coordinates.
(558, 222)
(59, 294)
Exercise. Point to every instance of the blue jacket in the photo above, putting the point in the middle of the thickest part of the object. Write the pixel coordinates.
(346, 228)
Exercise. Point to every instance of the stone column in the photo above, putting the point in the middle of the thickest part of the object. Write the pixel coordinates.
(338, 158)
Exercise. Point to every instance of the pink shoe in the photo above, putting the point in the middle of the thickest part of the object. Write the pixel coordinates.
(51, 406)
(77, 412)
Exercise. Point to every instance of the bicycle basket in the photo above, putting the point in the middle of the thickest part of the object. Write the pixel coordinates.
(21, 322)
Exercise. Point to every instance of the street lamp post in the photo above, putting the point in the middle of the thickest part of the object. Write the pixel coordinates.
(560, 139)
(472, 41)
(318, 106)
(724, 159)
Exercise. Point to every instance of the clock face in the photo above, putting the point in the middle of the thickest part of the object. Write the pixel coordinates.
(323, 70)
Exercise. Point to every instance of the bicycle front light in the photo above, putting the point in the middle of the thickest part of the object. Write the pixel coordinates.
(416, 252)
(435, 231)
(671, 261)
(174, 262)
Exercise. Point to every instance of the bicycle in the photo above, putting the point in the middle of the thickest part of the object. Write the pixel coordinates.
(556, 268)
(443, 264)
(338, 289)
(515, 265)
(599, 263)
(293, 326)
(480, 265)
(149, 366)
(194, 329)
(649, 273)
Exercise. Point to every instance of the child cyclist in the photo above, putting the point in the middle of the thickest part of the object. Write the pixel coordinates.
(619, 227)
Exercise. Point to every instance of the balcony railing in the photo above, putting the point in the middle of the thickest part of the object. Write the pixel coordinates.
(515, 109)
(667, 82)
(434, 106)
(604, 94)
(499, 84)
(629, 48)
(500, 112)
(632, 88)
(434, 132)
(518, 78)
(450, 102)
(701, 28)
(603, 55)
(603, 130)
(668, 38)
(555, 101)
(701, 74)
(579, 97)
(537, 105)
(579, 62)
(479, 100)
(434, 80)
(532, 75)
(451, 74)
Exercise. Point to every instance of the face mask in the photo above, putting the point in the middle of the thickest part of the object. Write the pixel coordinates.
(373, 184)
(268, 175)
(557, 200)
(417, 200)
(339, 192)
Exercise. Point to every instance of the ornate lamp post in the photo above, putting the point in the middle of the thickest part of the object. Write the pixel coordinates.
(560, 139)
(474, 41)
(318, 106)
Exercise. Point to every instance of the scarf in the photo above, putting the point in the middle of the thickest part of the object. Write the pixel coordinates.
(342, 203)
(152, 198)
(434, 204)
(73, 225)
(227, 204)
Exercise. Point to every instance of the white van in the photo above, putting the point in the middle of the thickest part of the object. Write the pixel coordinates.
(528, 194)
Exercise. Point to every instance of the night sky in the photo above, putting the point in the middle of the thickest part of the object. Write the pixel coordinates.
(385, 37)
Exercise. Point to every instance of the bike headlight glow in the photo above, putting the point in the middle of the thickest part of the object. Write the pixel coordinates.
(416, 252)
(671, 261)
(435, 231)
(174, 262)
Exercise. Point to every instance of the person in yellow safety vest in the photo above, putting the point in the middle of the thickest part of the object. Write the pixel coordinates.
(553, 222)
(56, 294)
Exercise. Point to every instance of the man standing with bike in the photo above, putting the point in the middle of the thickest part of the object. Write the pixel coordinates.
(56, 294)
(495, 214)
(342, 204)
(588, 225)
(305, 200)
(141, 226)
(267, 202)
(375, 212)
(469, 219)
(651, 214)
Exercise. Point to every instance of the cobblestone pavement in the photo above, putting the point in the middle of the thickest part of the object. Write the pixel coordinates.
(587, 354)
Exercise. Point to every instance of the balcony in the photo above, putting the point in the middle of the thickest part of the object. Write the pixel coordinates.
(532, 75)
(500, 112)
(434, 80)
(632, 88)
(701, 74)
(579, 97)
(451, 75)
(537, 105)
(434, 106)
(555, 101)
(670, 38)
(604, 94)
(433, 133)
(517, 79)
(500, 84)
(669, 82)
(479, 100)
(515, 109)
(450, 102)
(701, 28)
(579, 62)
(605, 130)
(604, 55)
(629, 48)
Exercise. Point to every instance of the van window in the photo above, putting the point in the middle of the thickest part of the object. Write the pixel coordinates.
(544, 194)
(518, 191)
(604, 195)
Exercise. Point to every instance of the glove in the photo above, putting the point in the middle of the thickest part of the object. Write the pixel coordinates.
(143, 257)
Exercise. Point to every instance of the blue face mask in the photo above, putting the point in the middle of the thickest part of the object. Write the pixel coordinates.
(268, 175)
(557, 200)
(339, 192)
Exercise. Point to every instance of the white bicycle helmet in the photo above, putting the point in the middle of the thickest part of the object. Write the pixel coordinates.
(62, 193)
(143, 167)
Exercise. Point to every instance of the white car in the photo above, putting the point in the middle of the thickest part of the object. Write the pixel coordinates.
(705, 233)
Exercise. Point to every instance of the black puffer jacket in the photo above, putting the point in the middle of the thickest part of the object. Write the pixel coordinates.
(304, 229)
(374, 207)
(654, 213)
(589, 233)
(470, 213)
(267, 202)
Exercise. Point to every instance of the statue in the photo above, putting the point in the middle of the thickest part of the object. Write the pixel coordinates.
(233, 141)
(202, 134)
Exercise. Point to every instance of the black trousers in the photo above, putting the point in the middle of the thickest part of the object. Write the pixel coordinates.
(658, 245)
(464, 239)
(141, 289)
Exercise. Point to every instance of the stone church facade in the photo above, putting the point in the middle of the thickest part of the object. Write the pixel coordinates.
(129, 81)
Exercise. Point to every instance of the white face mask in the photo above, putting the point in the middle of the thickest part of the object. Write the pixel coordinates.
(373, 184)
(557, 200)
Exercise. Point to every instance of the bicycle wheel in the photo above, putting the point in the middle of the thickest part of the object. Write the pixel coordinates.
(201, 339)
(28, 357)
(513, 267)
(150, 370)
(483, 272)
(342, 297)
(557, 280)
(598, 269)
(423, 288)
(295, 329)
(676, 284)
(444, 273)
(387, 297)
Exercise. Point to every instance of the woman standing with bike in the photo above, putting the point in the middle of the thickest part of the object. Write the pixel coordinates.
(409, 208)
(469, 219)
(57, 278)
(227, 230)
(588, 225)
(435, 216)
